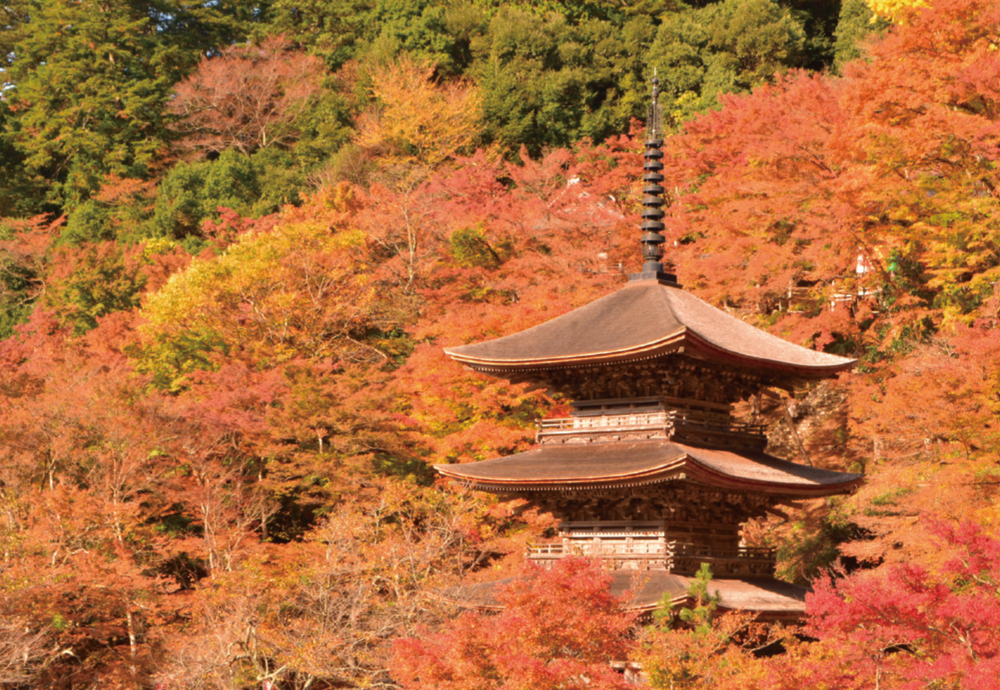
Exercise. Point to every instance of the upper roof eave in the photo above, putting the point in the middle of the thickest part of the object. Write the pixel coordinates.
(643, 320)
(683, 341)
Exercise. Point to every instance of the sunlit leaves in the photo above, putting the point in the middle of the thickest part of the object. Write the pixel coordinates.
(559, 628)
(913, 625)
(416, 119)
(299, 289)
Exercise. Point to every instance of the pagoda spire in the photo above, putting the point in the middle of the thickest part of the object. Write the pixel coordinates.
(653, 199)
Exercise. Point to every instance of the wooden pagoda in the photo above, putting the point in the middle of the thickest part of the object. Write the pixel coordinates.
(652, 473)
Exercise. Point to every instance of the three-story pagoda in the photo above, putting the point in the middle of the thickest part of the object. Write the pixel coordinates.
(652, 473)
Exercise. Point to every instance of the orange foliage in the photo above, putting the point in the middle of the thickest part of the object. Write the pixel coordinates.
(559, 628)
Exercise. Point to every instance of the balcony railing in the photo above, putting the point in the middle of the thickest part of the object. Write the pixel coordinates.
(743, 561)
(665, 422)
(632, 550)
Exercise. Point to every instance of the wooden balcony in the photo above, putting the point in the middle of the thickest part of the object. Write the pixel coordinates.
(642, 551)
(683, 425)
(619, 551)
(740, 562)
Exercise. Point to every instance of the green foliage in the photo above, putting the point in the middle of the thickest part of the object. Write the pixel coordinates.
(18, 284)
(90, 83)
(193, 192)
(547, 82)
(729, 47)
(700, 613)
(857, 24)
(120, 211)
(324, 128)
(21, 194)
(89, 222)
(418, 27)
(808, 552)
(331, 28)
(98, 280)
(470, 247)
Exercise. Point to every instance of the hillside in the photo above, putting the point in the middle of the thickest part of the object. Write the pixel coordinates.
(236, 239)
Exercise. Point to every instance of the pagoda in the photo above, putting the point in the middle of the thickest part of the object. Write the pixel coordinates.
(651, 472)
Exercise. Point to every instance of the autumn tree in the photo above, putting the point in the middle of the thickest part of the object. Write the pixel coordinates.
(894, 9)
(559, 628)
(416, 118)
(23, 650)
(85, 494)
(914, 624)
(23, 266)
(249, 97)
(326, 609)
(301, 288)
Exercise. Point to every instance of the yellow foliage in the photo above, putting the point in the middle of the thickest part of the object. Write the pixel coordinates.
(892, 9)
(416, 118)
(301, 289)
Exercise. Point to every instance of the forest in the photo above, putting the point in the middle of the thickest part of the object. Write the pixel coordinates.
(236, 236)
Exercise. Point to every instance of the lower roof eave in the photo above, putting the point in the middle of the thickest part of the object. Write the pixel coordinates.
(767, 598)
(633, 463)
(704, 478)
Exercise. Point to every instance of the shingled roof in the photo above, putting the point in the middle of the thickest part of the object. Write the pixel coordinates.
(637, 463)
(773, 599)
(641, 320)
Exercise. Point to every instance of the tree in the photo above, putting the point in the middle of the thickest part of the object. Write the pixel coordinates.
(325, 609)
(415, 119)
(547, 81)
(695, 646)
(85, 494)
(559, 628)
(195, 191)
(302, 288)
(727, 47)
(119, 210)
(21, 194)
(915, 625)
(91, 83)
(25, 245)
(331, 29)
(247, 98)
(22, 652)
(86, 284)
(856, 25)
(895, 10)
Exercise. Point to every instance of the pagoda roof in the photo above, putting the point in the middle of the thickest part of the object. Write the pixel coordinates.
(642, 320)
(770, 598)
(619, 464)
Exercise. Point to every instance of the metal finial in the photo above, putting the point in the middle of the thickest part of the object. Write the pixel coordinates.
(653, 199)
(654, 128)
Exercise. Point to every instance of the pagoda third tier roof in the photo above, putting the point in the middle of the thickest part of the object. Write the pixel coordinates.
(642, 320)
(769, 598)
(636, 463)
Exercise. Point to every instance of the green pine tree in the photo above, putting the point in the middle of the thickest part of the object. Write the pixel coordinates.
(89, 81)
